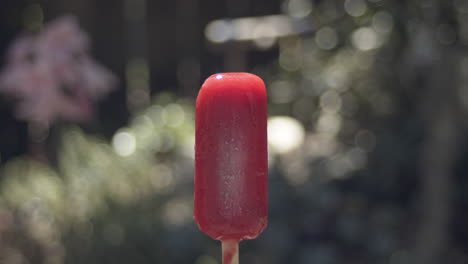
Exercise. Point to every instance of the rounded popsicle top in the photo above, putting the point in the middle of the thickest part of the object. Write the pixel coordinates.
(235, 78)
(232, 80)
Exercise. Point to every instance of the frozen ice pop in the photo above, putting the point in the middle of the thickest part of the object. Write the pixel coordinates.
(231, 158)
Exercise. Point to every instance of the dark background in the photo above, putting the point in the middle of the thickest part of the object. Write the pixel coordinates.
(378, 175)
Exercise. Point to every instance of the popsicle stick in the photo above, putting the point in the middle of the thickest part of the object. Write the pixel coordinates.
(230, 251)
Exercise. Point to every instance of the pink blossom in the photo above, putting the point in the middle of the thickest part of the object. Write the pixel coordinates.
(51, 75)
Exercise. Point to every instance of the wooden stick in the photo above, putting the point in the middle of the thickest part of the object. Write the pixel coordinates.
(230, 251)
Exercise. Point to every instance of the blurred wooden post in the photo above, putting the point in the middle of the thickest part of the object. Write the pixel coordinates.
(137, 72)
(188, 46)
(439, 151)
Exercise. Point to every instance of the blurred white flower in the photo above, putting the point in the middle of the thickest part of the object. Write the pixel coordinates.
(51, 76)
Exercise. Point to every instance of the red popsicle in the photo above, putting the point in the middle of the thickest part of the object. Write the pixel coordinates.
(231, 199)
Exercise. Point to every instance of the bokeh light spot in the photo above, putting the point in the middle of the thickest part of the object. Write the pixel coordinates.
(326, 38)
(299, 8)
(206, 260)
(175, 115)
(329, 123)
(284, 134)
(330, 101)
(263, 35)
(218, 31)
(124, 143)
(282, 92)
(358, 158)
(163, 178)
(382, 22)
(290, 60)
(177, 212)
(158, 115)
(336, 77)
(355, 8)
(365, 39)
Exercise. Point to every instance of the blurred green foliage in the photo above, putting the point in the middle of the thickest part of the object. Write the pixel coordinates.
(106, 194)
